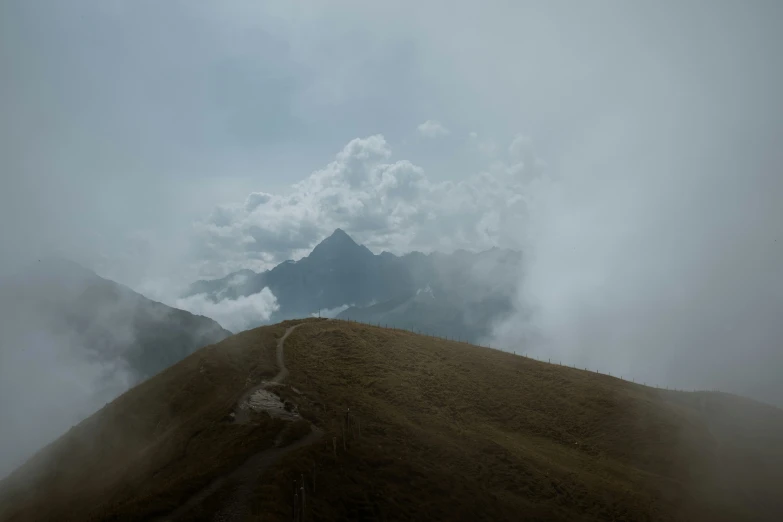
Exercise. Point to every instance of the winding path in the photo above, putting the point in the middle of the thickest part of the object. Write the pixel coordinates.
(246, 476)
(242, 415)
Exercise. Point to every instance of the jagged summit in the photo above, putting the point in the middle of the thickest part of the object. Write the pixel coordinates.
(338, 237)
(338, 245)
(340, 233)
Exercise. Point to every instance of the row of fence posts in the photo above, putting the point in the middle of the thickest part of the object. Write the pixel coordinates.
(458, 339)
(350, 431)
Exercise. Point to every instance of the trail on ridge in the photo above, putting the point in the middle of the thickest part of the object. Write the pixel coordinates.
(246, 476)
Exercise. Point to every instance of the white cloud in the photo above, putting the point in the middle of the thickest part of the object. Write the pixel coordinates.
(385, 204)
(331, 312)
(233, 314)
(432, 129)
(520, 145)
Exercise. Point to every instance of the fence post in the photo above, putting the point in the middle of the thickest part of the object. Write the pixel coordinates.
(296, 502)
(304, 502)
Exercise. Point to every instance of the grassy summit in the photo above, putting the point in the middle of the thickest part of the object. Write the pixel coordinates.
(441, 431)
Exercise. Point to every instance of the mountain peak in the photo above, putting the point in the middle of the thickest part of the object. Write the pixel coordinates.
(339, 238)
(339, 244)
(341, 235)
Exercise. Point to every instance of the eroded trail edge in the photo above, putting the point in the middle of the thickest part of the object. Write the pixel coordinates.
(258, 399)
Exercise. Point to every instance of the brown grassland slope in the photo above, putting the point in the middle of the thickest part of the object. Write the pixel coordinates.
(442, 431)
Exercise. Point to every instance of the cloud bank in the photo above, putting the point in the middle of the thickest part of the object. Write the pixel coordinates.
(385, 204)
(658, 254)
(235, 315)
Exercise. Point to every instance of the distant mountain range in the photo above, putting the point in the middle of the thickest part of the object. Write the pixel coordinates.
(458, 294)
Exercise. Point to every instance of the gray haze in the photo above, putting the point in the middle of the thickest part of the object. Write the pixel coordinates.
(49, 378)
(632, 151)
(656, 248)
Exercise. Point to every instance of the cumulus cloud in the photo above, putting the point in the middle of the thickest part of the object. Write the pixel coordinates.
(432, 129)
(385, 204)
(233, 314)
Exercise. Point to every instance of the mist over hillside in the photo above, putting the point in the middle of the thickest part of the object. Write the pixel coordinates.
(598, 184)
(371, 423)
(71, 341)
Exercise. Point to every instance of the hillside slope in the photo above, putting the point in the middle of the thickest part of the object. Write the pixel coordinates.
(67, 333)
(439, 431)
(105, 319)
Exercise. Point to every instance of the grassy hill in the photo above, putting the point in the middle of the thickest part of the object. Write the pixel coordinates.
(441, 431)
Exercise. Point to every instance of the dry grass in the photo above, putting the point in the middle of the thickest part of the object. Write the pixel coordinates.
(149, 449)
(449, 431)
(457, 432)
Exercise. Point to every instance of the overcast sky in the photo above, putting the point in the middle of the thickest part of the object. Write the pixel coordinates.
(632, 149)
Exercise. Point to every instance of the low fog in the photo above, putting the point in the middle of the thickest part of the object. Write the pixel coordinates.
(663, 265)
(50, 379)
(235, 315)
(631, 152)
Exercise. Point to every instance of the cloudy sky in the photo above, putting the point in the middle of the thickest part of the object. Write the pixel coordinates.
(632, 149)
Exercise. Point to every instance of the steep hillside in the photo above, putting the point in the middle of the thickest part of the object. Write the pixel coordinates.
(105, 319)
(70, 341)
(378, 424)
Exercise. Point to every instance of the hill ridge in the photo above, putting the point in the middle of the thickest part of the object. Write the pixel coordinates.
(449, 431)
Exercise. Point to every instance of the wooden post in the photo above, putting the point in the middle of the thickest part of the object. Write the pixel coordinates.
(304, 502)
(334, 445)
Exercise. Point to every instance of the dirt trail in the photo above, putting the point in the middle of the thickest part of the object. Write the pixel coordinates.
(242, 413)
(246, 475)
